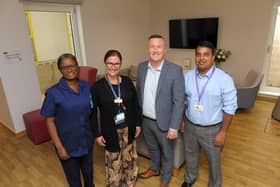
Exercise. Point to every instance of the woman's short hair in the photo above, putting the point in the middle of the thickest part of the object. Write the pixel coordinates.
(65, 56)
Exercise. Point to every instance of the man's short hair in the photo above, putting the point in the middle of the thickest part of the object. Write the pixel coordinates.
(156, 36)
(206, 44)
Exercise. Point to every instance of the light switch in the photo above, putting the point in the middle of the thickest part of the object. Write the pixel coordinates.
(187, 64)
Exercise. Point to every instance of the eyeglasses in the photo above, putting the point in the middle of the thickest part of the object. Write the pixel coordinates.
(111, 64)
(70, 67)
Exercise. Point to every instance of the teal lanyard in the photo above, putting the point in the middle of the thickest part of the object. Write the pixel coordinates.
(112, 89)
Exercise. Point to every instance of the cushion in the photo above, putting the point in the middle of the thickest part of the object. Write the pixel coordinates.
(100, 76)
(36, 128)
(44, 72)
(124, 72)
(133, 72)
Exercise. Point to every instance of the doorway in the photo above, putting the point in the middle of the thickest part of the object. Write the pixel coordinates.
(53, 30)
(271, 83)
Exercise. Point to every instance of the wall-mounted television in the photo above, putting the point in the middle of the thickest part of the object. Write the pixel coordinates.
(186, 33)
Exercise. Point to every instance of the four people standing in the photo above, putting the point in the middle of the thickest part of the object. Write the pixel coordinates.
(210, 103)
(160, 87)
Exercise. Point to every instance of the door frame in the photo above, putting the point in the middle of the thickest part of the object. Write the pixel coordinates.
(76, 21)
(265, 89)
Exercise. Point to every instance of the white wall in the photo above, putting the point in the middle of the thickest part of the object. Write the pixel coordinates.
(5, 117)
(244, 26)
(19, 81)
(123, 25)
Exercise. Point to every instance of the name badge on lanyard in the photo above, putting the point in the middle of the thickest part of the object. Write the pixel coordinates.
(120, 116)
(118, 100)
(199, 107)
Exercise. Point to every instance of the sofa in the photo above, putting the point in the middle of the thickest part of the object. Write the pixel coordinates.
(179, 151)
(48, 74)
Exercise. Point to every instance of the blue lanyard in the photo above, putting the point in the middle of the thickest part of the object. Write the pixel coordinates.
(200, 94)
(112, 89)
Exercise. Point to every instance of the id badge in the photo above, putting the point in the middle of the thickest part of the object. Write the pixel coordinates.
(119, 118)
(198, 108)
(118, 100)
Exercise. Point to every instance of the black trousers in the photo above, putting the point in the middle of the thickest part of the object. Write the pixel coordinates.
(73, 166)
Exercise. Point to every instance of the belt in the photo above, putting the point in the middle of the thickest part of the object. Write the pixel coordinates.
(149, 118)
(199, 125)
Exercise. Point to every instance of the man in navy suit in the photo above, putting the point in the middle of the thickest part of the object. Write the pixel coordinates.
(160, 86)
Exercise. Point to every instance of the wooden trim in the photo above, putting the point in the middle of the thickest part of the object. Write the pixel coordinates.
(55, 1)
(269, 98)
(19, 134)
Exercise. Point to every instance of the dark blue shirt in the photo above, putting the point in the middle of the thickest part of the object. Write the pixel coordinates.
(72, 114)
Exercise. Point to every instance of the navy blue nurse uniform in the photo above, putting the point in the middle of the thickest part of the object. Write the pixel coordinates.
(72, 112)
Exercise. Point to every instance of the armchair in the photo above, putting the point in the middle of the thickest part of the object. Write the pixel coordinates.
(87, 73)
(248, 90)
(276, 110)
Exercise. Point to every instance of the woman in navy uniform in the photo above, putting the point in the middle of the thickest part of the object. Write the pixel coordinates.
(67, 108)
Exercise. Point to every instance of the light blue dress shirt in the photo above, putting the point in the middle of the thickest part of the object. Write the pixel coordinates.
(218, 97)
(150, 91)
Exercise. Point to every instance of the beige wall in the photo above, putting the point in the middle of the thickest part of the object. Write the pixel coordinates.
(244, 26)
(125, 25)
(19, 80)
(122, 25)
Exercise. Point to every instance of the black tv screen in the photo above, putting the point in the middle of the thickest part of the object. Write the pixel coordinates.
(186, 33)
